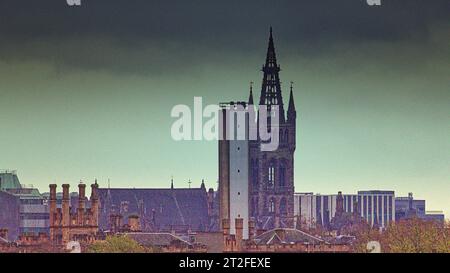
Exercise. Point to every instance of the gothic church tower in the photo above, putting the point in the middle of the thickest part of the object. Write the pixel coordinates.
(271, 173)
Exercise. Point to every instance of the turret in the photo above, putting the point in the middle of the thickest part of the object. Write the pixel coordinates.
(202, 186)
(250, 96)
(339, 205)
(81, 203)
(291, 113)
(94, 203)
(239, 228)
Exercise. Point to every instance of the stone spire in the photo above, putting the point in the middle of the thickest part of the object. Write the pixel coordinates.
(203, 184)
(291, 113)
(271, 85)
(250, 97)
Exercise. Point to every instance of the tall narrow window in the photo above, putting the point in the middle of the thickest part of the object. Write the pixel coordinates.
(282, 172)
(272, 205)
(271, 175)
(283, 206)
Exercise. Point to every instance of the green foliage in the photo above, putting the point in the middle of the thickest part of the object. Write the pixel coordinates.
(417, 236)
(117, 244)
(407, 236)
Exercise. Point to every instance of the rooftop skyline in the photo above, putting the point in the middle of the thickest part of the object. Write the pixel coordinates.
(87, 92)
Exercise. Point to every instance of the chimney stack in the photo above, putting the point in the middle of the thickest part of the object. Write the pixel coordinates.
(339, 205)
(52, 191)
(410, 201)
(94, 203)
(81, 203)
(65, 213)
(52, 211)
(115, 223)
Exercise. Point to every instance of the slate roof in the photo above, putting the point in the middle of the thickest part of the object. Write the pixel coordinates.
(268, 222)
(157, 239)
(212, 240)
(286, 236)
(3, 241)
(159, 209)
(341, 240)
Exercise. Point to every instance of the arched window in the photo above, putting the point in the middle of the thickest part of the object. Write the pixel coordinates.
(271, 180)
(272, 205)
(283, 206)
(282, 173)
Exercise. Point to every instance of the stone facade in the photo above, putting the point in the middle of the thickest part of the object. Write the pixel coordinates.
(271, 173)
(67, 225)
(279, 240)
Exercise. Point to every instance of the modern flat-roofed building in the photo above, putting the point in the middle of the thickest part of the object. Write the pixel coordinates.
(376, 207)
(311, 209)
(433, 215)
(23, 210)
(9, 214)
(407, 207)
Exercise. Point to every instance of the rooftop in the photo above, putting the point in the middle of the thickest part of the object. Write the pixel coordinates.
(158, 209)
(9, 180)
(286, 236)
(157, 239)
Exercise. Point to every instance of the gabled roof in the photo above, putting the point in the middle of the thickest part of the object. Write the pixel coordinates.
(341, 240)
(157, 239)
(161, 208)
(286, 236)
(4, 241)
(268, 222)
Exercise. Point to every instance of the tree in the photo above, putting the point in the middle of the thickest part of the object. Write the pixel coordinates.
(117, 244)
(364, 233)
(417, 236)
(412, 235)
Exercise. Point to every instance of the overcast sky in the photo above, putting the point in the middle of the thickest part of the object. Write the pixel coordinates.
(86, 92)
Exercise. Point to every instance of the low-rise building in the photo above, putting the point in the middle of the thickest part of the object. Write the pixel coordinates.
(407, 207)
(24, 211)
(279, 240)
(159, 210)
(69, 224)
(376, 207)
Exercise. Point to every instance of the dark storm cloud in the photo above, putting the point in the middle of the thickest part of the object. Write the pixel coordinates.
(125, 36)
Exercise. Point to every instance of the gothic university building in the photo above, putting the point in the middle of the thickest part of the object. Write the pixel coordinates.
(262, 179)
(73, 222)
